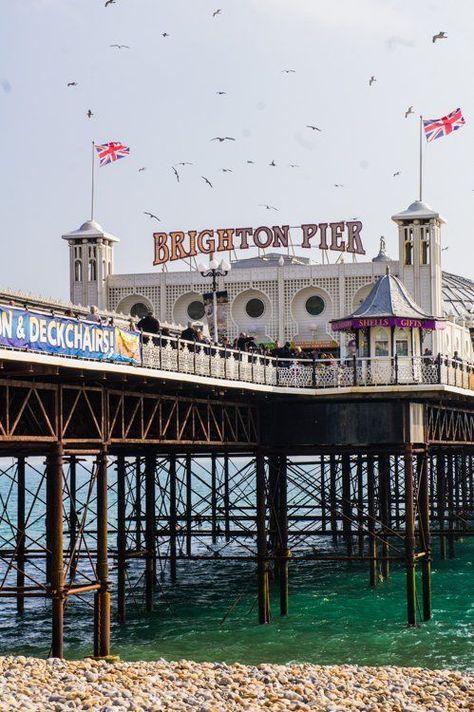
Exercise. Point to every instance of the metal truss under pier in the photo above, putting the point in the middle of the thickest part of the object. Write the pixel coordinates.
(99, 476)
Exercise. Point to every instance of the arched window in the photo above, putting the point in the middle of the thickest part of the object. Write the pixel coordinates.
(408, 245)
(425, 245)
(92, 271)
(139, 310)
(78, 271)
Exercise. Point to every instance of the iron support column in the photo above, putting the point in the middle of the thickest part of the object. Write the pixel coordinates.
(121, 540)
(424, 508)
(262, 554)
(102, 597)
(410, 536)
(20, 537)
(55, 519)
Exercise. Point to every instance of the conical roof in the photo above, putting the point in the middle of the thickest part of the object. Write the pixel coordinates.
(388, 304)
(418, 211)
(389, 297)
(90, 230)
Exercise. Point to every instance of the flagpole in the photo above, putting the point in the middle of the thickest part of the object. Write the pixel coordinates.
(92, 181)
(421, 157)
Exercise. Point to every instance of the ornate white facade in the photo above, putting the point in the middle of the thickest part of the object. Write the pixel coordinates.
(276, 297)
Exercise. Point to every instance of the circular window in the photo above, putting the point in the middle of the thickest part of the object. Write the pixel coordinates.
(314, 305)
(139, 310)
(255, 308)
(196, 310)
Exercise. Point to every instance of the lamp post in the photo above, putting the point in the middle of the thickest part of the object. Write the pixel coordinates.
(214, 270)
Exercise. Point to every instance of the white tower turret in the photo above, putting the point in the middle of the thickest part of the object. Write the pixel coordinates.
(419, 234)
(91, 261)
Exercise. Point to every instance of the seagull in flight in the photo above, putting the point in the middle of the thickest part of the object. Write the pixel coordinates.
(397, 173)
(206, 180)
(409, 111)
(372, 80)
(176, 173)
(288, 71)
(293, 165)
(439, 36)
(154, 217)
(268, 207)
(222, 138)
(226, 170)
(221, 93)
(118, 46)
(338, 185)
(217, 12)
(252, 162)
(89, 114)
(272, 164)
(164, 34)
(71, 84)
(109, 2)
(143, 168)
(314, 128)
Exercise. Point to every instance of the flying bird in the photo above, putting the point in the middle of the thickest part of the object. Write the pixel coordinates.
(409, 111)
(143, 168)
(176, 173)
(338, 185)
(216, 12)
(71, 84)
(222, 138)
(89, 114)
(221, 93)
(273, 164)
(164, 34)
(206, 180)
(109, 2)
(226, 170)
(154, 217)
(397, 173)
(120, 46)
(288, 71)
(185, 163)
(293, 165)
(253, 162)
(439, 36)
(268, 207)
(314, 128)
(372, 80)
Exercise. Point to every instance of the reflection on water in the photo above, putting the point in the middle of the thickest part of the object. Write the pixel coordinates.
(334, 618)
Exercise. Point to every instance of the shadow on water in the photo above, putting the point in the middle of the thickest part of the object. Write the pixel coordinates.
(334, 618)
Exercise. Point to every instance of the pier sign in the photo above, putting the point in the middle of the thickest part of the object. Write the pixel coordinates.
(342, 236)
(24, 329)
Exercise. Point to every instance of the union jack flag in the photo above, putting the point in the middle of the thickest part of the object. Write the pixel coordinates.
(435, 128)
(110, 152)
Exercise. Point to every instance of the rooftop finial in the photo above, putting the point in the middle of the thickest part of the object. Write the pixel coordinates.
(387, 269)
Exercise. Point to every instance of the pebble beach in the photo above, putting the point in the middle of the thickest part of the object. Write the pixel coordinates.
(56, 685)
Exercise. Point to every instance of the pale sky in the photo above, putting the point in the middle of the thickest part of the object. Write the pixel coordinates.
(159, 98)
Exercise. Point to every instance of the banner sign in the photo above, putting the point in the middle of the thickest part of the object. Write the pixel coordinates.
(57, 335)
(400, 322)
(339, 236)
(222, 299)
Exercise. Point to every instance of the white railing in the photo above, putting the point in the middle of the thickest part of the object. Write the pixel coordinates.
(169, 353)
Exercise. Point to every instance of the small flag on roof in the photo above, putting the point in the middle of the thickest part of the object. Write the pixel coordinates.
(110, 152)
(435, 128)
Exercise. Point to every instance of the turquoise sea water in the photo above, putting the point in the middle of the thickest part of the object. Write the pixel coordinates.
(334, 618)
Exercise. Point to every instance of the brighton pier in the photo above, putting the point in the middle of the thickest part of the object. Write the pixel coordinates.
(118, 471)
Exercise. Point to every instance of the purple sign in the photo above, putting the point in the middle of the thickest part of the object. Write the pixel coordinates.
(401, 322)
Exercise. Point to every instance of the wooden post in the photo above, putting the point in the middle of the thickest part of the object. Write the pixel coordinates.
(441, 501)
(121, 540)
(371, 520)
(55, 506)
(20, 536)
(150, 530)
(410, 535)
(189, 504)
(214, 498)
(226, 498)
(346, 502)
(102, 597)
(424, 508)
(263, 591)
(173, 515)
(283, 533)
